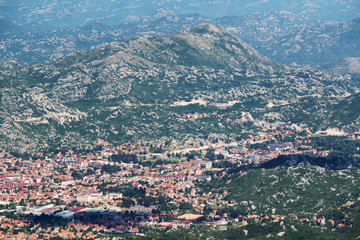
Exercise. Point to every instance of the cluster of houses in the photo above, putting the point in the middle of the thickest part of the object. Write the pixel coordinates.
(49, 185)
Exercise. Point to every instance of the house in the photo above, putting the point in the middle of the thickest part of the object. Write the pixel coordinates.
(202, 177)
(281, 147)
(206, 164)
(167, 224)
(96, 196)
(222, 228)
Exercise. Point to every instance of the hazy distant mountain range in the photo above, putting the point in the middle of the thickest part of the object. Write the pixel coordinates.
(282, 36)
(60, 14)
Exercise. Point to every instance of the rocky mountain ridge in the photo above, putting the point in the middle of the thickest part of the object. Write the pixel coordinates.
(57, 14)
(132, 89)
(289, 38)
(349, 67)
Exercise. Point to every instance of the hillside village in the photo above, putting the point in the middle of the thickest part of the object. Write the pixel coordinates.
(132, 188)
(179, 119)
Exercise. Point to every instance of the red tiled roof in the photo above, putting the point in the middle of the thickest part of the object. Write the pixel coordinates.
(77, 208)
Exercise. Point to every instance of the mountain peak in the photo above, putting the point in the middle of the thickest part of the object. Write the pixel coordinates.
(207, 28)
(161, 12)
